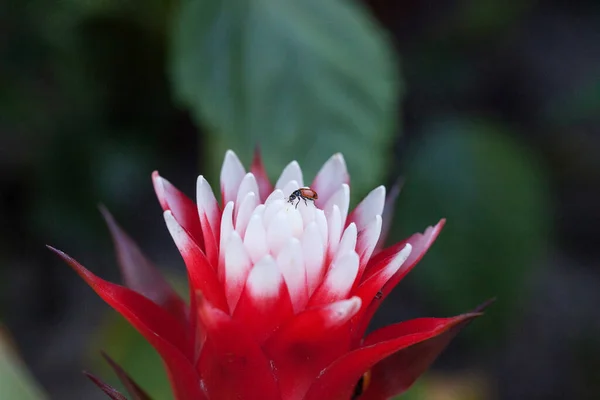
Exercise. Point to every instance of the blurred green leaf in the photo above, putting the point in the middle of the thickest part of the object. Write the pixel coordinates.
(495, 197)
(580, 105)
(488, 18)
(303, 79)
(15, 380)
(134, 354)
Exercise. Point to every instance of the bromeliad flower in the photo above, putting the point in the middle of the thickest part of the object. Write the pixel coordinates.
(281, 292)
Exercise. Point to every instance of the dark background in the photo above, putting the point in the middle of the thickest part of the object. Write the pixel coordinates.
(500, 134)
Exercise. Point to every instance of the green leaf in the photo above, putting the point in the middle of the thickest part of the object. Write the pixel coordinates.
(302, 79)
(15, 381)
(134, 354)
(494, 195)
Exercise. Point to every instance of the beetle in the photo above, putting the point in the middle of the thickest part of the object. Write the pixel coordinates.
(304, 193)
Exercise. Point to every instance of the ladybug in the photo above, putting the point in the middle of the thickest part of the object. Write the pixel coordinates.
(362, 385)
(304, 193)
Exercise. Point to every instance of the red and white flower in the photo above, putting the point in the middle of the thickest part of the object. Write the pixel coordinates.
(280, 296)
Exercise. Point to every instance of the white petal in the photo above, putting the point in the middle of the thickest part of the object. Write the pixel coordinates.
(367, 240)
(279, 233)
(248, 185)
(314, 256)
(341, 198)
(340, 278)
(330, 177)
(295, 222)
(395, 264)
(321, 221)
(259, 211)
(247, 206)
(308, 214)
(271, 210)
(180, 237)
(347, 243)
(334, 224)
(226, 231)
(264, 281)
(289, 187)
(255, 238)
(207, 203)
(276, 195)
(292, 172)
(237, 267)
(232, 174)
(371, 206)
(341, 311)
(291, 264)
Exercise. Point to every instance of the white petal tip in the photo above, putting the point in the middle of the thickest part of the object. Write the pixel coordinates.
(347, 308)
(399, 259)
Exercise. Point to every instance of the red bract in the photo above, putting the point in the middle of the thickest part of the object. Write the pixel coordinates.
(281, 295)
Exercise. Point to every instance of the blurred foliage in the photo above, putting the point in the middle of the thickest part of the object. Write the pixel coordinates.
(463, 385)
(303, 80)
(132, 352)
(15, 380)
(495, 198)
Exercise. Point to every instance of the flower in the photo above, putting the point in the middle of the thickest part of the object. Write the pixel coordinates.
(281, 294)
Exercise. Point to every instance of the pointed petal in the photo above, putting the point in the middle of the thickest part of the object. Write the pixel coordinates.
(396, 373)
(321, 334)
(291, 264)
(340, 198)
(368, 290)
(420, 244)
(237, 268)
(200, 273)
(289, 187)
(210, 217)
(133, 388)
(367, 240)
(109, 390)
(262, 179)
(159, 328)
(183, 208)
(273, 207)
(232, 174)
(388, 213)
(232, 364)
(247, 186)
(255, 238)
(292, 172)
(247, 206)
(265, 302)
(334, 224)
(277, 194)
(140, 274)
(226, 231)
(341, 377)
(338, 281)
(347, 243)
(329, 178)
(366, 211)
(321, 222)
(313, 249)
(133, 306)
(279, 232)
